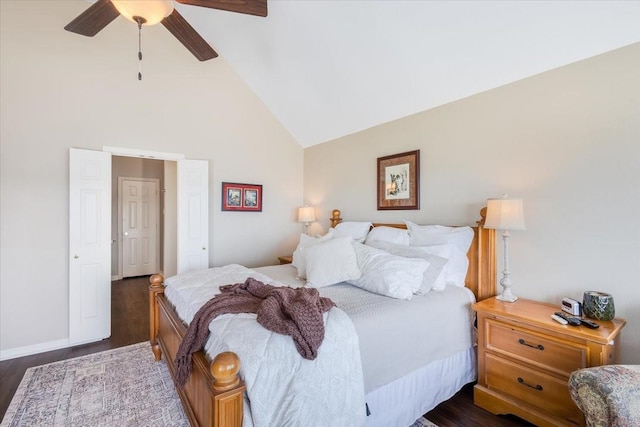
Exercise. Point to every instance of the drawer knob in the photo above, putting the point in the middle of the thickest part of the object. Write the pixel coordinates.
(538, 346)
(523, 382)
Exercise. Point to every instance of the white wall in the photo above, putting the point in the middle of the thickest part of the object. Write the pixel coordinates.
(62, 90)
(567, 141)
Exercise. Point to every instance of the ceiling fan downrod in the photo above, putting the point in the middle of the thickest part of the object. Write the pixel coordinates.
(140, 20)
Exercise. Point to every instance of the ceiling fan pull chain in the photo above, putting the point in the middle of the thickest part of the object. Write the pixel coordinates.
(140, 21)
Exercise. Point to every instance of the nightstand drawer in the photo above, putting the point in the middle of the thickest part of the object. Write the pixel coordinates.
(561, 357)
(531, 386)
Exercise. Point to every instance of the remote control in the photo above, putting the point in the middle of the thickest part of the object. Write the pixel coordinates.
(589, 324)
(572, 320)
(559, 319)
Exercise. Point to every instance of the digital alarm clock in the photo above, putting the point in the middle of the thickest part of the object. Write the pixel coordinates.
(571, 306)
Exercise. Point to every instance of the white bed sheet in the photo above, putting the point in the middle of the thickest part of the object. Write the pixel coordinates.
(406, 399)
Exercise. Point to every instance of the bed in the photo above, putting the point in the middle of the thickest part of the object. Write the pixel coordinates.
(215, 394)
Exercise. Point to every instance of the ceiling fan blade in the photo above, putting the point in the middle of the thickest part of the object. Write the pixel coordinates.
(250, 7)
(180, 28)
(94, 19)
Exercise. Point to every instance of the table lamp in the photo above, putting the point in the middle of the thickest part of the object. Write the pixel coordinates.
(307, 215)
(505, 214)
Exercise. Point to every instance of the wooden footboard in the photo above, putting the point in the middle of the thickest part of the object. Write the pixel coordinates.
(213, 394)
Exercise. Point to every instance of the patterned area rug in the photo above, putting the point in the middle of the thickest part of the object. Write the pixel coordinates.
(115, 388)
(120, 387)
(423, 422)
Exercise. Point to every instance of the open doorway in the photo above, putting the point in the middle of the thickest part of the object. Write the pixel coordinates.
(93, 241)
(137, 216)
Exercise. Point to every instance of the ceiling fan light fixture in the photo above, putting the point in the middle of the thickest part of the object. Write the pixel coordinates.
(152, 11)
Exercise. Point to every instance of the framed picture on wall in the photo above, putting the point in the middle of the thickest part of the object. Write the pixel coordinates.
(399, 181)
(241, 197)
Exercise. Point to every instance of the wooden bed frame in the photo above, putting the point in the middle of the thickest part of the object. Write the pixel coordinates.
(213, 394)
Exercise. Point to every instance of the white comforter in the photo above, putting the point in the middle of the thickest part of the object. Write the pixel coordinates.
(283, 389)
(398, 336)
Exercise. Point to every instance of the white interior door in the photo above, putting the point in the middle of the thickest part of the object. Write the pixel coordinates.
(193, 215)
(89, 245)
(139, 203)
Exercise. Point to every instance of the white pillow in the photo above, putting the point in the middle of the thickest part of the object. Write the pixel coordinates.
(427, 235)
(434, 276)
(357, 230)
(331, 261)
(386, 274)
(388, 234)
(305, 242)
(456, 269)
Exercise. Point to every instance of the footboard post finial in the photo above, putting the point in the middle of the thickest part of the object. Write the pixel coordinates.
(225, 368)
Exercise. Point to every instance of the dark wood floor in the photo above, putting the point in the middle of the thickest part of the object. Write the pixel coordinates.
(459, 411)
(130, 325)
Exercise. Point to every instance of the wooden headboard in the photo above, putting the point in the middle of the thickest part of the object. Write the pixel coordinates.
(481, 276)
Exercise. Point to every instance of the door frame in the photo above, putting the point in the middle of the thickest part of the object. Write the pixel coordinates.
(120, 236)
(145, 154)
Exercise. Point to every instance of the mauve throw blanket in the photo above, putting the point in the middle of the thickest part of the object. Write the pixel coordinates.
(288, 311)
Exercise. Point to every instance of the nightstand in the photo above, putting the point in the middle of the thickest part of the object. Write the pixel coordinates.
(525, 358)
(285, 259)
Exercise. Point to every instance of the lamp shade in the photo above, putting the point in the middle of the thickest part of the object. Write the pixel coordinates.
(153, 11)
(306, 214)
(505, 214)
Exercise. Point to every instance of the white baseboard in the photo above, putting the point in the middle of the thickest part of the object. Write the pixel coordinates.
(28, 350)
(114, 278)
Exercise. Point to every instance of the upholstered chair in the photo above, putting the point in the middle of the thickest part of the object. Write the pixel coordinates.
(608, 396)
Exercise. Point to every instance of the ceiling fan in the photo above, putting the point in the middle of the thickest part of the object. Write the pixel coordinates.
(150, 12)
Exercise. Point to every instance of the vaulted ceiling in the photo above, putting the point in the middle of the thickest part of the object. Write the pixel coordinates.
(329, 68)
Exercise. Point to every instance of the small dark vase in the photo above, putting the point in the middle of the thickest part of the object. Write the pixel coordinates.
(598, 305)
